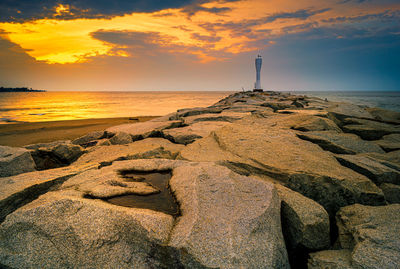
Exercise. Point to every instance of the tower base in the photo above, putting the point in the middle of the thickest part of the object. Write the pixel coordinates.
(258, 90)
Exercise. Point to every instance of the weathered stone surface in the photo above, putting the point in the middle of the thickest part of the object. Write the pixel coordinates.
(56, 156)
(121, 138)
(368, 129)
(392, 192)
(106, 183)
(144, 149)
(305, 223)
(90, 137)
(143, 130)
(188, 134)
(340, 111)
(393, 156)
(313, 112)
(18, 190)
(330, 259)
(261, 146)
(314, 123)
(378, 171)
(340, 143)
(389, 142)
(372, 233)
(58, 231)
(47, 145)
(228, 220)
(384, 115)
(186, 112)
(223, 116)
(14, 161)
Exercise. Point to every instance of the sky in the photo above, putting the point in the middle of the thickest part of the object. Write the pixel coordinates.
(200, 45)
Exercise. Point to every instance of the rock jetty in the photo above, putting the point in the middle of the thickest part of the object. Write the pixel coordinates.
(257, 180)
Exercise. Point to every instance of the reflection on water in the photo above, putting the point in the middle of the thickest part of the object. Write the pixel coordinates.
(53, 106)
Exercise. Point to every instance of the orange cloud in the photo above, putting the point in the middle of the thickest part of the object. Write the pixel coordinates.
(232, 28)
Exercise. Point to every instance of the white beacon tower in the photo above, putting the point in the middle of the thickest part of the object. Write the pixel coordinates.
(257, 85)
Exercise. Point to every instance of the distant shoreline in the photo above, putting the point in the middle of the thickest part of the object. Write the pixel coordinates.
(22, 89)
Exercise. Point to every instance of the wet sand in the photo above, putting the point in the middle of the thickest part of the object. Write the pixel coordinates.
(21, 134)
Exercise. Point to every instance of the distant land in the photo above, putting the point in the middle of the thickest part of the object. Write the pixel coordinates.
(22, 89)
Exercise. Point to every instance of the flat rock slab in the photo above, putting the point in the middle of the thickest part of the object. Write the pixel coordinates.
(384, 115)
(347, 110)
(188, 134)
(372, 233)
(340, 143)
(143, 149)
(368, 129)
(228, 220)
(378, 171)
(14, 161)
(143, 130)
(389, 142)
(223, 116)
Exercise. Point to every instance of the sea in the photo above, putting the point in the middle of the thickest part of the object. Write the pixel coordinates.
(55, 106)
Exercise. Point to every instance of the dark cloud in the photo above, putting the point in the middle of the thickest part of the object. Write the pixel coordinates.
(207, 38)
(382, 17)
(21, 10)
(245, 27)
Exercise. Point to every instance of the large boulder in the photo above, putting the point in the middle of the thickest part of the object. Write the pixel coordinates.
(378, 171)
(59, 231)
(61, 154)
(143, 130)
(372, 233)
(144, 149)
(384, 115)
(340, 143)
(223, 116)
(121, 138)
(392, 192)
(305, 223)
(257, 145)
(330, 259)
(389, 142)
(14, 161)
(368, 129)
(89, 139)
(18, 190)
(228, 220)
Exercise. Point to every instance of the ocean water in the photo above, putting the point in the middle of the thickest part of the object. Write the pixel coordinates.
(53, 106)
(384, 99)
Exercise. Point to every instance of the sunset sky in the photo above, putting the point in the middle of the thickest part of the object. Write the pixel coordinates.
(199, 44)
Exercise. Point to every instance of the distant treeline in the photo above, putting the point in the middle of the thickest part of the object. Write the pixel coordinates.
(22, 89)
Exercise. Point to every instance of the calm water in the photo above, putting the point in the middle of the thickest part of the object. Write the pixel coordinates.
(52, 106)
(382, 99)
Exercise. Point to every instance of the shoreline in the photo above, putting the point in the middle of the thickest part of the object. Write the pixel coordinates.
(22, 134)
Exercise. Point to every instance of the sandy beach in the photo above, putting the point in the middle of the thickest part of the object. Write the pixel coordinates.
(21, 134)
